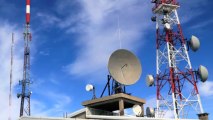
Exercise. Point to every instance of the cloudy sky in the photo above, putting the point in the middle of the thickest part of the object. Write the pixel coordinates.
(71, 44)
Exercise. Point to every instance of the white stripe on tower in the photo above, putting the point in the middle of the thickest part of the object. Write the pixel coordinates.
(28, 11)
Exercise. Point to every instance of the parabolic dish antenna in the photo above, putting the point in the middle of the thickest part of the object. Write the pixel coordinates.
(124, 67)
(149, 80)
(150, 112)
(203, 73)
(89, 87)
(137, 109)
(194, 43)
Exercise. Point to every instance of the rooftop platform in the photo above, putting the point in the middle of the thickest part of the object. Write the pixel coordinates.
(114, 102)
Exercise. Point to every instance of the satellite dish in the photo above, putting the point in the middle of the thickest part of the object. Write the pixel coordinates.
(203, 73)
(150, 112)
(124, 67)
(149, 80)
(89, 87)
(166, 10)
(194, 43)
(137, 109)
(167, 26)
(153, 18)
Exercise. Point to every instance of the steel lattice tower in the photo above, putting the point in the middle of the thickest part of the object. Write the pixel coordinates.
(25, 83)
(176, 81)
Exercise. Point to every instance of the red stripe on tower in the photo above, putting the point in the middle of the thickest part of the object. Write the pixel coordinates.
(28, 11)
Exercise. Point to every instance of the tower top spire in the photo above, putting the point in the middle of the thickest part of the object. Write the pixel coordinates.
(27, 12)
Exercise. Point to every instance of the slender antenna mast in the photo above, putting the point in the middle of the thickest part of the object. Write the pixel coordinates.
(119, 32)
(25, 83)
(119, 29)
(11, 77)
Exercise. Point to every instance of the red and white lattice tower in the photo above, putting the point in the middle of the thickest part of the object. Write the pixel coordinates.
(25, 83)
(176, 81)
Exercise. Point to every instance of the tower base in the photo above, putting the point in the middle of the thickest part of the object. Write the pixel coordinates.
(203, 116)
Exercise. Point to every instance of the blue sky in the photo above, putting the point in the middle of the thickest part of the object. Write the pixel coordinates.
(73, 39)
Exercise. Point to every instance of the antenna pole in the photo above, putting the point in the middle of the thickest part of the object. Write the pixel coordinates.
(94, 96)
(106, 86)
(119, 29)
(25, 83)
(11, 77)
(119, 32)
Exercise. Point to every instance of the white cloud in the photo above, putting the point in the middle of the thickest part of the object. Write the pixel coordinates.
(169, 114)
(97, 25)
(98, 34)
(6, 30)
(47, 101)
(190, 10)
(47, 18)
(201, 25)
(96, 22)
(150, 102)
(206, 89)
(44, 53)
(58, 104)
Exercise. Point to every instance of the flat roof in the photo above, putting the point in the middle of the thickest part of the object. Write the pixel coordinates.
(98, 117)
(111, 103)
